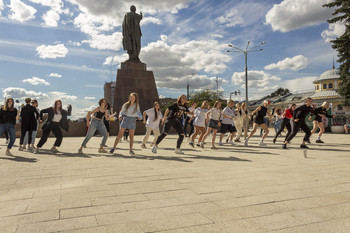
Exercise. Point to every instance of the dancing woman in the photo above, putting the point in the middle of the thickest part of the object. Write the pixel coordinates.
(319, 113)
(189, 121)
(198, 120)
(278, 120)
(129, 114)
(98, 115)
(261, 112)
(246, 119)
(56, 119)
(287, 117)
(240, 115)
(29, 115)
(214, 123)
(8, 117)
(227, 123)
(152, 124)
(173, 117)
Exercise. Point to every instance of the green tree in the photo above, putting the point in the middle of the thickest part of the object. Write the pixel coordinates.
(279, 92)
(208, 95)
(342, 45)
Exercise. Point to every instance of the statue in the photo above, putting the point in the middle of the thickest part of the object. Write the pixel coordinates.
(132, 34)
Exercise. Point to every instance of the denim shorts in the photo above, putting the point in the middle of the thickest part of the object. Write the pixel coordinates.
(128, 123)
(213, 124)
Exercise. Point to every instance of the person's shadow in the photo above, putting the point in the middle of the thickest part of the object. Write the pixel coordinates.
(20, 159)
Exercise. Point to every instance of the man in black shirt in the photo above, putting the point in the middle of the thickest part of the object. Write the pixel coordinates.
(299, 115)
(29, 115)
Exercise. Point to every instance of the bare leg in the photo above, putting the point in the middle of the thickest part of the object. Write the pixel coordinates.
(266, 130)
(202, 130)
(120, 135)
(213, 137)
(131, 135)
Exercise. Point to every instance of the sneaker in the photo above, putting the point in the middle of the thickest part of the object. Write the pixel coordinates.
(104, 146)
(36, 151)
(237, 140)
(101, 150)
(345, 133)
(20, 148)
(274, 140)
(191, 144)
(198, 144)
(284, 146)
(227, 140)
(54, 150)
(231, 142)
(7, 142)
(319, 141)
(308, 141)
(246, 142)
(131, 152)
(221, 144)
(304, 146)
(8, 153)
(261, 143)
(143, 146)
(30, 149)
(111, 151)
(84, 146)
(80, 151)
(202, 145)
(179, 151)
(154, 149)
(214, 148)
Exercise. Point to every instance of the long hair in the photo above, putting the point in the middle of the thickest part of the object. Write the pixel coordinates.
(204, 102)
(6, 107)
(101, 101)
(292, 106)
(155, 111)
(128, 104)
(55, 107)
(179, 99)
(216, 104)
(243, 105)
(325, 105)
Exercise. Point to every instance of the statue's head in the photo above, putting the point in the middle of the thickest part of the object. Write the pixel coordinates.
(133, 8)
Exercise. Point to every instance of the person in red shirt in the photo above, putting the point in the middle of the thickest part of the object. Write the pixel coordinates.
(287, 115)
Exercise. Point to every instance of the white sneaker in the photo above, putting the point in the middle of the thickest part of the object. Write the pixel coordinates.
(80, 151)
(179, 151)
(231, 142)
(8, 153)
(131, 152)
(30, 149)
(221, 144)
(36, 151)
(54, 150)
(20, 148)
(154, 149)
(261, 143)
(246, 142)
(143, 146)
(101, 150)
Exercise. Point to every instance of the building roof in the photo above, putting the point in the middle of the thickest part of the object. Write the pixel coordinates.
(328, 75)
(330, 94)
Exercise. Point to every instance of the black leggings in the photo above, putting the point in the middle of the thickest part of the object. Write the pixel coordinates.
(300, 125)
(285, 123)
(191, 125)
(177, 126)
(56, 130)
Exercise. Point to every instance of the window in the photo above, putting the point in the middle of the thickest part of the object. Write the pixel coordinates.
(324, 86)
(340, 107)
(330, 85)
(317, 87)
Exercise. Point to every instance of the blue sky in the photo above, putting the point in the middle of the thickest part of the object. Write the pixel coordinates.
(53, 49)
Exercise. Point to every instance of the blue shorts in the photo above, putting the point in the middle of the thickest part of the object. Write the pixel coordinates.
(128, 123)
(214, 124)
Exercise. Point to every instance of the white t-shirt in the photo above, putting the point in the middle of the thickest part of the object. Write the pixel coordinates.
(199, 117)
(151, 123)
(130, 112)
(215, 113)
(57, 117)
(228, 112)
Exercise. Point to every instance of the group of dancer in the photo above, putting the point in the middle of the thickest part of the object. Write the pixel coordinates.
(204, 121)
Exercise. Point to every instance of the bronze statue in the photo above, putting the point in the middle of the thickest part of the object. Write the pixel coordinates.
(132, 34)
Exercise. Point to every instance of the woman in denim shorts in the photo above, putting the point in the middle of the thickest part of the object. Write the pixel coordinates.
(214, 123)
(128, 115)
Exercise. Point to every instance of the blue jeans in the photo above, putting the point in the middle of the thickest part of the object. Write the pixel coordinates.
(25, 141)
(278, 125)
(96, 125)
(10, 129)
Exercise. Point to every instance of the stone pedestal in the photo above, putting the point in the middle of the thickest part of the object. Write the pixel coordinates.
(134, 77)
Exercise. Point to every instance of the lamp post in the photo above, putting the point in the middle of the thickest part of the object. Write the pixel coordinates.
(188, 86)
(235, 92)
(245, 52)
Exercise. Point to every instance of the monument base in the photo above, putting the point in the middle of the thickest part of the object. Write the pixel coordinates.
(134, 77)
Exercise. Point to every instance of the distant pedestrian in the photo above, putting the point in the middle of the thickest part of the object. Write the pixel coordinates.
(129, 114)
(152, 124)
(8, 117)
(56, 119)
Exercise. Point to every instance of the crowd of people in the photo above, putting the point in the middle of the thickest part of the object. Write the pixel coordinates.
(203, 121)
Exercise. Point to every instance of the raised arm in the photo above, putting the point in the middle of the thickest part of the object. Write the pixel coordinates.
(257, 109)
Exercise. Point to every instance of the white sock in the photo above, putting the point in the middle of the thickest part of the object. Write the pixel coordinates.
(318, 138)
(262, 140)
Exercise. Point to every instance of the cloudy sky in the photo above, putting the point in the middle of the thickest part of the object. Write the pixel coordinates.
(68, 49)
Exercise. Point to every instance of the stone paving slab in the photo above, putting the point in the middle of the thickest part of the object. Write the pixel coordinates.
(233, 189)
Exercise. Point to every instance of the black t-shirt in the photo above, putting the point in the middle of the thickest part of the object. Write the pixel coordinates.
(176, 111)
(8, 117)
(262, 113)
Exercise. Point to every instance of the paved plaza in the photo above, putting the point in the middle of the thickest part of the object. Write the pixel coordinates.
(233, 189)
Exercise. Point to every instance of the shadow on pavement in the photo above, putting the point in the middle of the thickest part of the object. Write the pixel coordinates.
(20, 159)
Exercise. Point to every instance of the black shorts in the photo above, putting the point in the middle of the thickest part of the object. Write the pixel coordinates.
(227, 127)
(318, 118)
(259, 121)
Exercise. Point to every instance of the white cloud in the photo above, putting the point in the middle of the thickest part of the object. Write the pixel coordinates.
(1, 6)
(21, 93)
(101, 41)
(334, 30)
(148, 20)
(21, 11)
(36, 81)
(56, 75)
(217, 35)
(295, 63)
(89, 98)
(256, 79)
(51, 18)
(62, 96)
(52, 51)
(116, 60)
(294, 14)
(300, 84)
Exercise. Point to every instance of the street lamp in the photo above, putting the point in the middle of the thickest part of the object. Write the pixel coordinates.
(245, 52)
(188, 86)
(235, 92)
